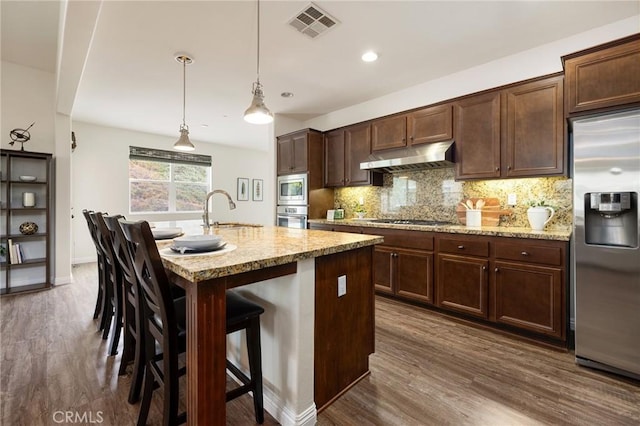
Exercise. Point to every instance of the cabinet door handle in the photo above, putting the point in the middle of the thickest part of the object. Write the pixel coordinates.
(497, 169)
(508, 167)
(497, 270)
(484, 268)
(524, 253)
(460, 247)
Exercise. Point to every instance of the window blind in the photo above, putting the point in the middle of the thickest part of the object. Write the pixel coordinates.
(150, 154)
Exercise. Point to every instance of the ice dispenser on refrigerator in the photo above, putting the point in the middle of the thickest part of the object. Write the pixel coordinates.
(611, 219)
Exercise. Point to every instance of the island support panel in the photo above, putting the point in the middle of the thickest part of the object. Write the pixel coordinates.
(344, 325)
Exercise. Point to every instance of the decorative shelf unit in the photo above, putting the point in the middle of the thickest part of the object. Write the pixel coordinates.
(17, 172)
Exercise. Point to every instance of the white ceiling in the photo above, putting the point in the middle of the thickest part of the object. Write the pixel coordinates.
(132, 81)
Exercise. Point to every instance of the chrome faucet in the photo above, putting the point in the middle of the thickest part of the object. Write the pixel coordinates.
(205, 216)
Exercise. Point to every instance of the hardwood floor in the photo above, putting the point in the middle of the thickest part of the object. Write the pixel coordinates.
(427, 370)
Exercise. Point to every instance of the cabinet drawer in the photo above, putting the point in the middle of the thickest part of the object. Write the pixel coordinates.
(402, 238)
(529, 253)
(464, 247)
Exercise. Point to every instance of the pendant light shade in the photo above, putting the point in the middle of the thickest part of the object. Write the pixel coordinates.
(258, 113)
(183, 143)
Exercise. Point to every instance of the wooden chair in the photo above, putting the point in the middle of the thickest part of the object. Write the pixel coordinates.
(133, 347)
(97, 310)
(165, 328)
(104, 310)
(113, 275)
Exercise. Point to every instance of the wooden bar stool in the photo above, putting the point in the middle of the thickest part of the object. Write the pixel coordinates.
(164, 327)
(114, 283)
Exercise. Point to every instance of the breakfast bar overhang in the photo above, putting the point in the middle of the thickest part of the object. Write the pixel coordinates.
(316, 337)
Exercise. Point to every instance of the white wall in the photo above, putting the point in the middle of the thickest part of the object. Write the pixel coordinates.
(28, 95)
(521, 66)
(100, 180)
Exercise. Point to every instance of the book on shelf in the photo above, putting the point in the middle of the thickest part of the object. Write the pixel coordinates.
(18, 248)
(15, 255)
(11, 252)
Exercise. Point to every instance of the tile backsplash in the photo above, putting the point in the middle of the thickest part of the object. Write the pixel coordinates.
(434, 194)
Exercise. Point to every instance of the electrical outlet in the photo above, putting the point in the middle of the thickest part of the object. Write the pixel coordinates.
(512, 199)
(342, 285)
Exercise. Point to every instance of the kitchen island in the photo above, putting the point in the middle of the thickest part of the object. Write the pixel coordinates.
(306, 328)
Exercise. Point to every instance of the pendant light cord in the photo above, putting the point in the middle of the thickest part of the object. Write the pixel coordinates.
(184, 89)
(258, 43)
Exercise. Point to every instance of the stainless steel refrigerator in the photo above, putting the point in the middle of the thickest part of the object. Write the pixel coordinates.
(606, 258)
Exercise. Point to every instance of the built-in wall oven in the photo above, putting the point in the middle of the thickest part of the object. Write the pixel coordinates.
(292, 190)
(292, 216)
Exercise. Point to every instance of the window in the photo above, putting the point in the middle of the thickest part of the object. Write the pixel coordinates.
(166, 181)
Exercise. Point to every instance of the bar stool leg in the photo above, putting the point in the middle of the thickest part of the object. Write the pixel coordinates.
(255, 367)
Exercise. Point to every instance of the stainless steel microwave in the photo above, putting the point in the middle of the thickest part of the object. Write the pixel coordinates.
(292, 190)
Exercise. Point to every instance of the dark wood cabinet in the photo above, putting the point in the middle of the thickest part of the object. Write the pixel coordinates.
(534, 131)
(477, 124)
(529, 286)
(462, 278)
(345, 149)
(294, 151)
(389, 132)
(604, 76)
(431, 124)
(426, 125)
(516, 132)
(517, 285)
(529, 297)
(334, 161)
(403, 264)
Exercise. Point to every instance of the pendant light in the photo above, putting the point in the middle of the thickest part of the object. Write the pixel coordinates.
(258, 113)
(183, 143)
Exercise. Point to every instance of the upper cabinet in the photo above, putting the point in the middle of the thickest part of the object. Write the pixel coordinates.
(431, 124)
(389, 132)
(533, 129)
(477, 121)
(604, 76)
(345, 149)
(426, 125)
(300, 152)
(514, 132)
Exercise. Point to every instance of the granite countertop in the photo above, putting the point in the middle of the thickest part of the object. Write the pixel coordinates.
(261, 247)
(558, 234)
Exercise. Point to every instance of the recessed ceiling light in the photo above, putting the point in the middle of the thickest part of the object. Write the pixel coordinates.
(204, 125)
(369, 56)
(286, 94)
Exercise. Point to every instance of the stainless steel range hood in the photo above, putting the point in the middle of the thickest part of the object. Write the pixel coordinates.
(429, 156)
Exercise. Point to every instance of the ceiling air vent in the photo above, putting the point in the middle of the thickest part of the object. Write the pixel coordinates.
(312, 21)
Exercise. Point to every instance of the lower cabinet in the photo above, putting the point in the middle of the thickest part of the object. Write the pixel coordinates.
(462, 274)
(462, 284)
(403, 264)
(516, 284)
(529, 297)
(404, 272)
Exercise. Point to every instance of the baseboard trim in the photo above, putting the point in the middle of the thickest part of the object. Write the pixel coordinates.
(63, 280)
(79, 260)
(284, 415)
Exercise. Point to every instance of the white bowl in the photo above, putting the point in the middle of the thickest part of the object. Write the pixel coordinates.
(198, 241)
(166, 233)
(28, 178)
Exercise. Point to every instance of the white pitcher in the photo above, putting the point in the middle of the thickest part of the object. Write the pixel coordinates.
(539, 217)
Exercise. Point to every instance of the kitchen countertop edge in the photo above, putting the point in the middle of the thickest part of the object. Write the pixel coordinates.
(556, 234)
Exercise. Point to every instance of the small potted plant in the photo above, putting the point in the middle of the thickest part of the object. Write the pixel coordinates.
(360, 210)
(539, 214)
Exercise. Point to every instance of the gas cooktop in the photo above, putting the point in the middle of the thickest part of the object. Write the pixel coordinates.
(413, 222)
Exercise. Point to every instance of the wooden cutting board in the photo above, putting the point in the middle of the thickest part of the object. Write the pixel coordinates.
(491, 211)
